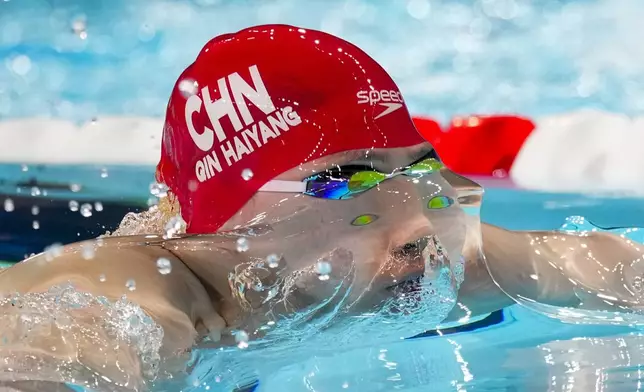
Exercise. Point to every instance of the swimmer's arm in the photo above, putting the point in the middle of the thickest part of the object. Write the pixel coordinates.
(562, 269)
(176, 301)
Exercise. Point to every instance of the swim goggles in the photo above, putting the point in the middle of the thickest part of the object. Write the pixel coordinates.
(347, 182)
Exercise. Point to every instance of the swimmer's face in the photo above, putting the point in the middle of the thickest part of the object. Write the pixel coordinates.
(378, 239)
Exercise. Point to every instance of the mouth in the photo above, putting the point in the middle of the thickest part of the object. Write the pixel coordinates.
(408, 286)
(411, 256)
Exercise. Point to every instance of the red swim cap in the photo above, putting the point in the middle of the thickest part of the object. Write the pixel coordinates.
(264, 100)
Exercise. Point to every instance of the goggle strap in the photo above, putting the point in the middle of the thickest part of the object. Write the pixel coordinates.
(284, 186)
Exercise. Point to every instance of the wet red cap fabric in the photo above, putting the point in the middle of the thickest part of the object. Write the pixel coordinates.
(264, 100)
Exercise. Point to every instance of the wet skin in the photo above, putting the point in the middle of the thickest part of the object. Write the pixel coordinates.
(195, 299)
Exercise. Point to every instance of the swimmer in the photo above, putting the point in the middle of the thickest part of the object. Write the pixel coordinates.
(312, 206)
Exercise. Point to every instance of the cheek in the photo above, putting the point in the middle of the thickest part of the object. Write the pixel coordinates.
(440, 201)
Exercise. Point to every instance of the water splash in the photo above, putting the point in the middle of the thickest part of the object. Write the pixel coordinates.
(156, 220)
(87, 331)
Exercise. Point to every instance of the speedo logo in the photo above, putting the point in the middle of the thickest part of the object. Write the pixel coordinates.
(390, 100)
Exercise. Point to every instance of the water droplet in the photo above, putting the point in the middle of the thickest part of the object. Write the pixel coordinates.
(188, 87)
(24, 168)
(73, 205)
(273, 260)
(35, 210)
(88, 251)
(173, 226)
(345, 385)
(242, 244)
(500, 173)
(192, 185)
(75, 187)
(323, 268)
(164, 266)
(35, 191)
(86, 210)
(8, 205)
(130, 284)
(104, 173)
(102, 278)
(241, 338)
(98, 206)
(158, 190)
(35, 225)
(195, 383)
(247, 174)
(79, 27)
(21, 65)
(53, 251)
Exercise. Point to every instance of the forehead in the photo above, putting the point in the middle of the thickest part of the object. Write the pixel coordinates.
(385, 159)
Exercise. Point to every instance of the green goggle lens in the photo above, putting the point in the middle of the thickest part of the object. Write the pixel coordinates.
(361, 181)
(364, 220)
(439, 202)
(425, 167)
(343, 187)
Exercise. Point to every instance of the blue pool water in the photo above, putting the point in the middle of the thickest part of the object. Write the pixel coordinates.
(81, 60)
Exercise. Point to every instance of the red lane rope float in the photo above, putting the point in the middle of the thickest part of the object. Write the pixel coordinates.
(478, 145)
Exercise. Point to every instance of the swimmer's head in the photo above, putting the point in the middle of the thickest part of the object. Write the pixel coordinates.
(303, 132)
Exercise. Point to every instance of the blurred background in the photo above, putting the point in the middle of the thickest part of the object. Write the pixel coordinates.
(82, 59)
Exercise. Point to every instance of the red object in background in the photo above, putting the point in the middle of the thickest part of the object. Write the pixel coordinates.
(478, 145)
